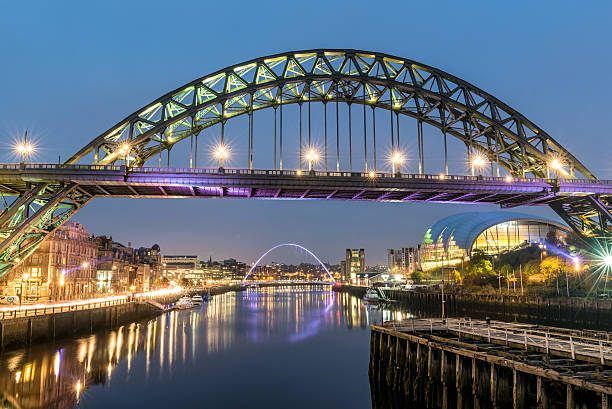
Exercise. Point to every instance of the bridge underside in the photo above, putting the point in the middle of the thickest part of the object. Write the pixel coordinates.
(275, 184)
(48, 195)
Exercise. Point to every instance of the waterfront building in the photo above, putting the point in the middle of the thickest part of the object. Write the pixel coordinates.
(116, 267)
(394, 259)
(410, 259)
(453, 239)
(62, 267)
(177, 267)
(355, 264)
(149, 255)
(404, 261)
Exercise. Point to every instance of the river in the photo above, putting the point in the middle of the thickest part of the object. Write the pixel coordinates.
(297, 347)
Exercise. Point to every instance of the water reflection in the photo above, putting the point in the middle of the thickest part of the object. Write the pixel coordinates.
(162, 350)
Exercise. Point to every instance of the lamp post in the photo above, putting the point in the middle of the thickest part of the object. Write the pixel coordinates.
(396, 161)
(312, 156)
(478, 163)
(23, 278)
(62, 281)
(221, 153)
(556, 165)
(25, 148)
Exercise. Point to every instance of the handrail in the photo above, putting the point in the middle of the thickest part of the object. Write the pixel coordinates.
(33, 311)
(319, 173)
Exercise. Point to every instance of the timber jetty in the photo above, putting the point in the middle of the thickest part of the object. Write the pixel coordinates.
(460, 363)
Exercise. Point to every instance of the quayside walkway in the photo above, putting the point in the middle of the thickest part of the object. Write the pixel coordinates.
(33, 310)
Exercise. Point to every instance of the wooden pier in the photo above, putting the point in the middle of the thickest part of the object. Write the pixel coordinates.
(464, 364)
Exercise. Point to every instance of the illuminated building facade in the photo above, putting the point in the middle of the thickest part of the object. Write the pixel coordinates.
(404, 261)
(456, 237)
(62, 267)
(355, 264)
(177, 267)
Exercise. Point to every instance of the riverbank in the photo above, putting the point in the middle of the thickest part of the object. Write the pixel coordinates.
(25, 330)
(578, 313)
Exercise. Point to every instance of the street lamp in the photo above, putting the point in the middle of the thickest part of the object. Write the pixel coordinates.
(24, 148)
(608, 261)
(24, 278)
(478, 162)
(221, 153)
(396, 161)
(312, 156)
(124, 150)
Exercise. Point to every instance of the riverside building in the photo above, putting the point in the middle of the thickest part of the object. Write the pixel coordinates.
(453, 239)
(62, 267)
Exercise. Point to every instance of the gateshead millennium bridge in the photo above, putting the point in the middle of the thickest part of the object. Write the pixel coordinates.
(132, 159)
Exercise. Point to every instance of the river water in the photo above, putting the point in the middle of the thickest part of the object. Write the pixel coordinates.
(283, 347)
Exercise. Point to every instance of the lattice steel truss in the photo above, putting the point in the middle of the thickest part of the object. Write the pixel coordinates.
(482, 122)
(378, 80)
(32, 216)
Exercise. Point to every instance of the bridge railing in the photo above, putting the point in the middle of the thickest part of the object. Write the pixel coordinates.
(36, 310)
(318, 173)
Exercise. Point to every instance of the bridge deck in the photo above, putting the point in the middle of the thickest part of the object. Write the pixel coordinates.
(274, 184)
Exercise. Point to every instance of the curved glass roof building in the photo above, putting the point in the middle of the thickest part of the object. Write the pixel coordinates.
(453, 238)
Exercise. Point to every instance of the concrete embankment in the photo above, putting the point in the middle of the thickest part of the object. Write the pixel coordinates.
(17, 332)
(564, 312)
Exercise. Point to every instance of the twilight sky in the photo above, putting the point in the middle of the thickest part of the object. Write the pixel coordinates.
(72, 69)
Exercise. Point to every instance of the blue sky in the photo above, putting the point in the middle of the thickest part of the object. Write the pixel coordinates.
(72, 69)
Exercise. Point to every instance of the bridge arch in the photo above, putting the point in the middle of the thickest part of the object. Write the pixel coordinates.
(486, 125)
(288, 245)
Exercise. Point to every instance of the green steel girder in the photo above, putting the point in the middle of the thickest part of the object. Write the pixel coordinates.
(32, 216)
(363, 77)
(378, 80)
(590, 216)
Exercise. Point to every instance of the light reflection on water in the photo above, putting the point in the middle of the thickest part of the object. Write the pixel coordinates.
(176, 357)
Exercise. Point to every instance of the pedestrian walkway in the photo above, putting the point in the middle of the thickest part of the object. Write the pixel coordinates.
(552, 341)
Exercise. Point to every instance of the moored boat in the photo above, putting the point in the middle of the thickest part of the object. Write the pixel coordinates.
(184, 303)
(371, 296)
(197, 299)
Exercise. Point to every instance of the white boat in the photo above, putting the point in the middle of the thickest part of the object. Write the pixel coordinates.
(197, 300)
(371, 295)
(184, 303)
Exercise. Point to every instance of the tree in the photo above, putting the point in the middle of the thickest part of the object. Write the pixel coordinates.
(417, 276)
(506, 270)
(550, 267)
(479, 272)
(531, 268)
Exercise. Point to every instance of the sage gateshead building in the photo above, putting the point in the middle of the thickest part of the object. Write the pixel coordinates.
(456, 237)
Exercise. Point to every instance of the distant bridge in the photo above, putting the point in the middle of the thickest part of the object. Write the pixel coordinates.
(331, 277)
(527, 166)
(287, 282)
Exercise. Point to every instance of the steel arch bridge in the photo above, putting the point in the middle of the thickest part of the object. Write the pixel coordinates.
(531, 168)
(333, 281)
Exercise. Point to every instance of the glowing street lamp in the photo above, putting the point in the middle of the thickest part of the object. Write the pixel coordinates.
(221, 153)
(576, 261)
(396, 160)
(24, 148)
(607, 260)
(478, 163)
(556, 165)
(312, 156)
(124, 150)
